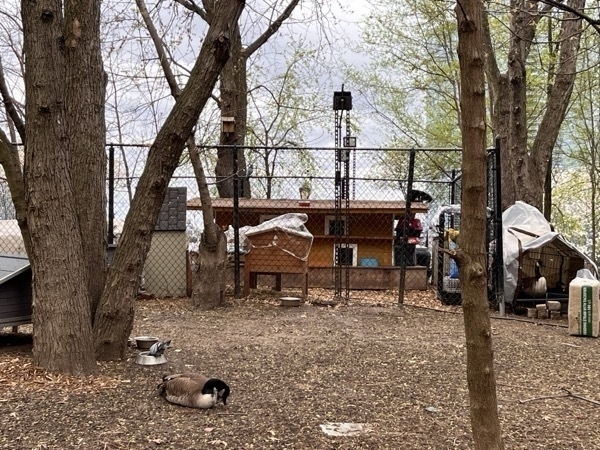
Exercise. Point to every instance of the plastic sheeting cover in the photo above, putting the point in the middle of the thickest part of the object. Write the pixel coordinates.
(525, 228)
(290, 224)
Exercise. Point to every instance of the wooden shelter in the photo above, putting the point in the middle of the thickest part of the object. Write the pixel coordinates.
(367, 242)
(15, 291)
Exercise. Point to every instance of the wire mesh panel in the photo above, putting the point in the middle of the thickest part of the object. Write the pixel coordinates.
(11, 241)
(364, 235)
(365, 239)
(448, 231)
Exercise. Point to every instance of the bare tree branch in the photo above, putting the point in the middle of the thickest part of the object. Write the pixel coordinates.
(190, 5)
(10, 105)
(595, 23)
(160, 48)
(273, 28)
(209, 231)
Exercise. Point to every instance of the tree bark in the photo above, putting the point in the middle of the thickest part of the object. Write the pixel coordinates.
(114, 317)
(84, 101)
(234, 103)
(62, 325)
(558, 101)
(208, 285)
(524, 163)
(208, 289)
(471, 256)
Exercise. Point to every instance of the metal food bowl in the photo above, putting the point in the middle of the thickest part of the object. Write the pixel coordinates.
(145, 359)
(290, 301)
(145, 342)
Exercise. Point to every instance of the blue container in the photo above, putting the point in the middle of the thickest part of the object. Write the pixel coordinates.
(369, 262)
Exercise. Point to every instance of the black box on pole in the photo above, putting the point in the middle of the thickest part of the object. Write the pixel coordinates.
(342, 101)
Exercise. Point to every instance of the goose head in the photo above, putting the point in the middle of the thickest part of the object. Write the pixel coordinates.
(219, 386)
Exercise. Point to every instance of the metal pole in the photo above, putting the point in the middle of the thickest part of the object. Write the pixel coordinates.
(338, 195)
(236, 225)
(404, 241)
(111, 194)
(499, 256)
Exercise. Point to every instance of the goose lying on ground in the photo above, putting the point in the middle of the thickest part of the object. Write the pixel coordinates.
(193, 390)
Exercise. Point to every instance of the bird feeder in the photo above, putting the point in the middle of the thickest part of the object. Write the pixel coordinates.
(227, 124)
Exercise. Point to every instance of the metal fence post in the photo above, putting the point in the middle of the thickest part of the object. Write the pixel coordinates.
(499, 256)
(236, 225)
(404, 241)
(111, 194)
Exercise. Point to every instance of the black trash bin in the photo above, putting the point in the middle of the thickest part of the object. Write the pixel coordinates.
(407, 244)
(409, 250)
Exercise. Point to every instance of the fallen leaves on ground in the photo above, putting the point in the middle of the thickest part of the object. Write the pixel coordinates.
(399, 371)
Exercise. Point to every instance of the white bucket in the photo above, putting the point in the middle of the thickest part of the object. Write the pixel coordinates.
(584, 317)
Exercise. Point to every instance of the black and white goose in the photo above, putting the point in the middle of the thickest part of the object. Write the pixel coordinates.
(193, 390)
(535, 286)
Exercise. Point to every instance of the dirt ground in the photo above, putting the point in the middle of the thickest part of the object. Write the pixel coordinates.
(399, 371)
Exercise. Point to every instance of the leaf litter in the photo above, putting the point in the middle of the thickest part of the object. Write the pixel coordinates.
(294, 369)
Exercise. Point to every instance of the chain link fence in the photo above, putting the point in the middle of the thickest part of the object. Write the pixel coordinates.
(448, 224)
(307, 222)
(309, 219)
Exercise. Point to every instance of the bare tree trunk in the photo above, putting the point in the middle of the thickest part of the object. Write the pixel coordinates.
(208, 286)
(234, 95)
(87, 135)
(213, 247)
(208, 289)
(234, 103)
(525, 164)
(114, 317)
(62, 325)
(471, 255)
(558, 101)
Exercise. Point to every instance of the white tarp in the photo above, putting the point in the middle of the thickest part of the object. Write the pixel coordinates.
(525, 228)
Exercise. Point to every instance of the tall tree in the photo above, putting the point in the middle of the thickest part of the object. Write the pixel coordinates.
(576, 183)
(525, 161)
(85, 98)
(414, 41)
(114, 317)
(234, 93)
(471, 254)
(208, 285)
(64, 87)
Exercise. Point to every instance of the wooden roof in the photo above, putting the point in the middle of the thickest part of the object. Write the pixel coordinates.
(322, 206)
